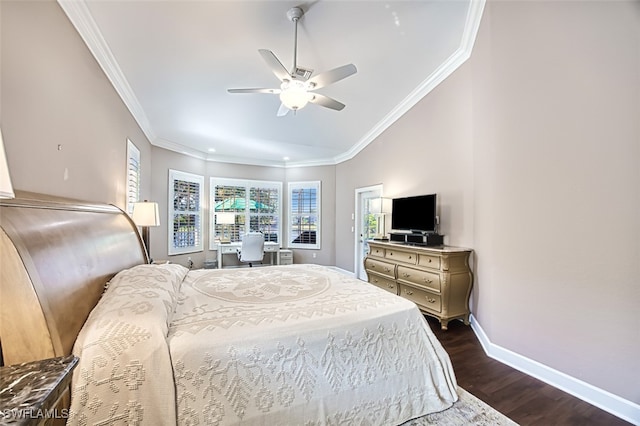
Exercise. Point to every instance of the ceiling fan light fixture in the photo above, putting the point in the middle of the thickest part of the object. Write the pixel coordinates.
(297, 86)
(294, 95)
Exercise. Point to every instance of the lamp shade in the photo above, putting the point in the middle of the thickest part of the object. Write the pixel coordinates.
(380, 205)
(6, 190)
(146, 213)
(225, 218)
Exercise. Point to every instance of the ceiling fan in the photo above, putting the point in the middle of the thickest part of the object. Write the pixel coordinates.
(297, 87)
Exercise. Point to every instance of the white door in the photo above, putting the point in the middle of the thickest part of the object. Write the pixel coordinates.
(364, 230)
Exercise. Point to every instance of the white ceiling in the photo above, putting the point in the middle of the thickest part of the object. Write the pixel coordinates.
(173, 61)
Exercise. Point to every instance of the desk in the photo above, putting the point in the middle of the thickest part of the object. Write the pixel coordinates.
(232, 248)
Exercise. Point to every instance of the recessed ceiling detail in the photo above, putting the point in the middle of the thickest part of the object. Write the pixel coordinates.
(297, 87)
(172, 62)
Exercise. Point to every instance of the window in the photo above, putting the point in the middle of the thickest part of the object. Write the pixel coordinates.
(185, 211)
(133, 175)
(254, 205)
(304, 215)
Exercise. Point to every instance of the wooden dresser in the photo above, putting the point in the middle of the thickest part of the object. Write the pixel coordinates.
(437, 279)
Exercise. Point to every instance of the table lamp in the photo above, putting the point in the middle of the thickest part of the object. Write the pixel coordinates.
(225, 219)
(380, 207)
(146, 214)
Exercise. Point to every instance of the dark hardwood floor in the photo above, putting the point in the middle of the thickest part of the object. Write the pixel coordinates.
(522, 398)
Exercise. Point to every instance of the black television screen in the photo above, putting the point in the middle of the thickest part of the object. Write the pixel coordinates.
(414, 213)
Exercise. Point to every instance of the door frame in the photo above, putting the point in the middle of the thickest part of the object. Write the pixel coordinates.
(358, 266)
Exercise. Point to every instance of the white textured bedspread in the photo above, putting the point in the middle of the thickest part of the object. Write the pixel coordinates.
(301, 345)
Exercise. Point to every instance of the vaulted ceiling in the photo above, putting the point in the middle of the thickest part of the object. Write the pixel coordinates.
(173, 61)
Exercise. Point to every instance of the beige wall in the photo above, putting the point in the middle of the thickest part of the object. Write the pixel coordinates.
(53, 93)
(557, 186)
(428, 151)
(533, 147)
(327, 176)
(163, 160)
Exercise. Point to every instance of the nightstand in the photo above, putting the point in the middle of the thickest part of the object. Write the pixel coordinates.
(286, 257)
(29, 392)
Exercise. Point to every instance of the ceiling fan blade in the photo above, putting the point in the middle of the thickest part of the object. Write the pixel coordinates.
(328, 77)
(270, 91)
(326, 101)
(283, 110)
(276, 66)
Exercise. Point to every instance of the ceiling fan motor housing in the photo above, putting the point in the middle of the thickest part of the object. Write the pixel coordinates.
(302, 73)
(294, 14)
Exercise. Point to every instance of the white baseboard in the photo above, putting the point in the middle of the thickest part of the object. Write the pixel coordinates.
(619, 407)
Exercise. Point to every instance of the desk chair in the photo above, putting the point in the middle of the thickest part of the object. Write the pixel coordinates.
(252, 249)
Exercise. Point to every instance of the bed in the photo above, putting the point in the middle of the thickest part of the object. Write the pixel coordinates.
(162, 344)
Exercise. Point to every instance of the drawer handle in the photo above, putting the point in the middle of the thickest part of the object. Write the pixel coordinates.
(390, 253)
(391, 286)
(409, 256)
(428, 281)
(408, 292)
(429, 260)
(375, 280)
(373, 266)
(430, 300)
(386, 269)
(404, 274)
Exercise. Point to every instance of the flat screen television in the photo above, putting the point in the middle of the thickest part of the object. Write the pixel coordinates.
(415, 214)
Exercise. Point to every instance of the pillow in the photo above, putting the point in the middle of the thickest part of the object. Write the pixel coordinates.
(124, 374)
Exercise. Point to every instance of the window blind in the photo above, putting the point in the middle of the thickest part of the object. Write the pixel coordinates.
(185, 212)
(257, 206)
(133, 175)
(304, 215)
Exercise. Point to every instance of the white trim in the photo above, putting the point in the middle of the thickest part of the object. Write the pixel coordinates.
(80, 16)
(247, 184)
(188, 177)
(459, 57)
(342, 271)
(317, 185)
(356, 223)
(618, 406)
(133, 152)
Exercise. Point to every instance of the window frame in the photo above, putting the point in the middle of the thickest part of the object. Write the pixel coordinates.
(177, 175)
(133, 176)
(247, 185)
(317, 185)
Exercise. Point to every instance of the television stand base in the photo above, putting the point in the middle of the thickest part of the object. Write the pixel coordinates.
(417, 239)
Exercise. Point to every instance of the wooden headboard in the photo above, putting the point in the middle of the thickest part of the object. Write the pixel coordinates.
(56, 255)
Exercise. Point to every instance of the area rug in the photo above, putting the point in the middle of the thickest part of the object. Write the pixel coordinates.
(468, 410)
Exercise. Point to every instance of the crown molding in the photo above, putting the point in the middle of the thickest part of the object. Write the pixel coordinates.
(80, 16)
(459, 57)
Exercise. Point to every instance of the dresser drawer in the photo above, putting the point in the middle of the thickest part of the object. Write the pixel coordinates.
(380, 267)
(286, 254)
(422, 298)
(401, 256)
(384, 283)
(427, 279)
(429, 261)
(376, 251)
(286, 257)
